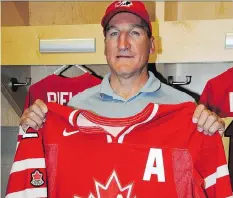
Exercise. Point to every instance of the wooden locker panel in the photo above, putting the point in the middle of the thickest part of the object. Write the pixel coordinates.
(14, 13)
(185, 41)
(70, 13)
(22, 43)
(180, 11)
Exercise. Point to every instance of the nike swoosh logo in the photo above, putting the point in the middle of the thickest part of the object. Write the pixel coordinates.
(65, 133)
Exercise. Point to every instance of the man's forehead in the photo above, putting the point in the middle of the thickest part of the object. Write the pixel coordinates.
(124, 26)
(126, 18)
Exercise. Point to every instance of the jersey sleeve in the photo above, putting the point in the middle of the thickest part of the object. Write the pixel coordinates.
(212, 166)
(28, 173)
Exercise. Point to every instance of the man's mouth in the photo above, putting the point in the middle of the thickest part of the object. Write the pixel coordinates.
(124, 56)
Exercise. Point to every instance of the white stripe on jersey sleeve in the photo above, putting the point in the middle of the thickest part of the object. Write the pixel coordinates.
(28, 163)
(17, 145)
(230, 196)
(30, 135)
(211, 179)
(29, 193)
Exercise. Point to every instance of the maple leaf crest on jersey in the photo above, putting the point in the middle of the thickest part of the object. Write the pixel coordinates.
(113, 188)
(37, 178)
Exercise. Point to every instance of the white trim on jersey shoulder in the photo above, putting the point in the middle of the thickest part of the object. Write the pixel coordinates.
(27, 164)
(29, 193)
(152, 115)
(71, 117)
(212, 179)
(230, 196)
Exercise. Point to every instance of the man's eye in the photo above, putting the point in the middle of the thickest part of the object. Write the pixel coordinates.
(134, 33)
(113, 33)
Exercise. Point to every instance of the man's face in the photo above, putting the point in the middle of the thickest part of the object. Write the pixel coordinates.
(127, 46)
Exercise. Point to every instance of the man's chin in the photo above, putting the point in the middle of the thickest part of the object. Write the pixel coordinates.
(125, 73)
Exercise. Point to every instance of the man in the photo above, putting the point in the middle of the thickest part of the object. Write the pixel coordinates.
(129, 87)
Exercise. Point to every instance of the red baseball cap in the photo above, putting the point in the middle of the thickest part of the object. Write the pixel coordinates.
(134, 7)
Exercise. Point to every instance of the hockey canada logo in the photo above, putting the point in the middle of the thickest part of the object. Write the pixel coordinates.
(37, 178)
(123, 4)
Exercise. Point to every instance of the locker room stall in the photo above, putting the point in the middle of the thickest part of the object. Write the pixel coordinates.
(190, 39)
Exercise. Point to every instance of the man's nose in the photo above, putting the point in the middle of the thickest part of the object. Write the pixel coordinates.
(123, 42)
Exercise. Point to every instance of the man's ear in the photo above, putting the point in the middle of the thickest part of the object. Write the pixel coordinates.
(152, 45)
(104, 46)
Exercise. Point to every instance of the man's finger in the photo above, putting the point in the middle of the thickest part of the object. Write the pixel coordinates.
(209, 122)
(37, 110)
(202, 120)
(27, 122)
(33, 116)
(41, 105)
(217, 125)
(197, 113)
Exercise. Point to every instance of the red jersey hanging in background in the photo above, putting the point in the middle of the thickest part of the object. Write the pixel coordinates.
(218, 94)
(218, 97)
(58, 89)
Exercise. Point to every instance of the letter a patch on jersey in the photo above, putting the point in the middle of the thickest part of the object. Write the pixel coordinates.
(37, 178)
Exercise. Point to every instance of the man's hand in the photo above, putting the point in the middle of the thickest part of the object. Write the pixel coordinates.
(208, 121)
(34, 116)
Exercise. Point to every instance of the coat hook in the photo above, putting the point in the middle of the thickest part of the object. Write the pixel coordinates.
(14, 84)
(172, 82)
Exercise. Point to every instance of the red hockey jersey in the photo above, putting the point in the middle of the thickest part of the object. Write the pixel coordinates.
(58, 89)
(156, 153)
(218, 94)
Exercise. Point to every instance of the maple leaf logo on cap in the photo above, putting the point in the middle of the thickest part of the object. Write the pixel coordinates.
(123, 4)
